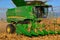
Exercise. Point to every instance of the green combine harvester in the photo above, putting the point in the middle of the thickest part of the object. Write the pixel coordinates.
(25, 18)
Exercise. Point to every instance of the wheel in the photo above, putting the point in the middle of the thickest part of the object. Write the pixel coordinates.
(10, 28)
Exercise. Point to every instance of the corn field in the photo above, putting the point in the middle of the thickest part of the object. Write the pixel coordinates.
(52, 23)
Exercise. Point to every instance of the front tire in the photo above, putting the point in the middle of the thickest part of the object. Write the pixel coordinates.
(10, 28)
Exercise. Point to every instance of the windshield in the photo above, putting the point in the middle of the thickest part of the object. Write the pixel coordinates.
(40, 11)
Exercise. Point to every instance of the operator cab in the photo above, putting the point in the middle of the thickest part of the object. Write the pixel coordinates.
(42, 11)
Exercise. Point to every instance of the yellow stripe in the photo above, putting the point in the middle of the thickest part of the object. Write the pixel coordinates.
(15, 17)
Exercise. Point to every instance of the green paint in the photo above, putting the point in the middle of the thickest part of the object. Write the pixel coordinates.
(22, 12)
(20, 29)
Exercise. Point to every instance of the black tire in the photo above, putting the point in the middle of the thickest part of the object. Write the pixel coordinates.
(10, 28)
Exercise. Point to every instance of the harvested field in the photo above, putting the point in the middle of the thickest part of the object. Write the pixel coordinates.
(22, 37)
(49, 25)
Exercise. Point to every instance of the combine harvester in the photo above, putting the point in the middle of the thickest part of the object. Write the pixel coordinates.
(25, 18)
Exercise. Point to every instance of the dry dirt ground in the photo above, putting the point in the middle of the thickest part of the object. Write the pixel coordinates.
(49, 25)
